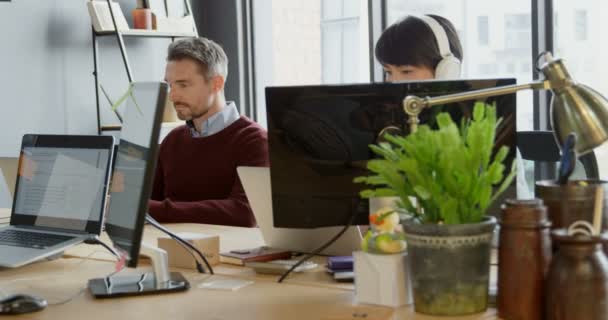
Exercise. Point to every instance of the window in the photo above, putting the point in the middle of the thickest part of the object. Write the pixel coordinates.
(517, 31)
(507, 24)
(340, 21)
(580, 25)
(483, 31)
(484, 27)
(586, 64)
(298, 42)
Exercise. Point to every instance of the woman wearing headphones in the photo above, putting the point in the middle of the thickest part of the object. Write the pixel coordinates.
(427, 47)
(420, 48)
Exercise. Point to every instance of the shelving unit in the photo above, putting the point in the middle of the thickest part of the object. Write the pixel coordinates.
(120, 35)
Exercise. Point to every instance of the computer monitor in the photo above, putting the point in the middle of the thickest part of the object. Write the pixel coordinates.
(319, 139)
(131, 188)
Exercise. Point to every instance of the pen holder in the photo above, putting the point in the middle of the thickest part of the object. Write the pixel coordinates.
(572, 202)
(382, 279)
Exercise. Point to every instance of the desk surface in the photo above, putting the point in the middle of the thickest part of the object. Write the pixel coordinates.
(309, 295)
(5, 215)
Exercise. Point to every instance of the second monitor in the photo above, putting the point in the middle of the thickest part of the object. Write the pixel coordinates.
(319, 139)
(131, 189)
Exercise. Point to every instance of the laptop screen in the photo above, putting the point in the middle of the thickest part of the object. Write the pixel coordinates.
(62, 182)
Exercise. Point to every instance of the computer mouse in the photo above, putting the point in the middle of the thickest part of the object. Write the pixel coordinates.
(21, 303)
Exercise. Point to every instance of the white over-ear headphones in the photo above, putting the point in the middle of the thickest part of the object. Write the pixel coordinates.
(449, 66)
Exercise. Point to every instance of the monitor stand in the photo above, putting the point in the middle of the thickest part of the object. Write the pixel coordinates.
(158, 281)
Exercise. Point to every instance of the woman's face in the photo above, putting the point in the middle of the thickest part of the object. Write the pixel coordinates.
(407, 72)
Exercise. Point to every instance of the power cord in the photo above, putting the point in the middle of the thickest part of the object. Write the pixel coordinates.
(199, 266)
(81, 291)
(83, 260)
(321, 248)
(184, 243)
(95, 240)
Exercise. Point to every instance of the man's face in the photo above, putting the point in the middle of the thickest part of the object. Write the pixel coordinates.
(407, 72)
(191, 94)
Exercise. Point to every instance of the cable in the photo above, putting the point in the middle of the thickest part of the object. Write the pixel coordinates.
(321, 248)
(95, 240)
(199, 266)
(79, 264)
(155, 223)
(69, 299)
(82, 290)
(185, 244)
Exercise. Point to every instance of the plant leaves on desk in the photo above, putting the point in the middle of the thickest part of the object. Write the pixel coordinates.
(450, 171)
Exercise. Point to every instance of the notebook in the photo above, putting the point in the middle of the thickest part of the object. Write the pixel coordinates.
(260, 254)
(60, 195)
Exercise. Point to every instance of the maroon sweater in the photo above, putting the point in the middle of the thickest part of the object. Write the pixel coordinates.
(196, 179)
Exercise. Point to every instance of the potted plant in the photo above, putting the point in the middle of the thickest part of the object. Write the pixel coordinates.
(446, 178)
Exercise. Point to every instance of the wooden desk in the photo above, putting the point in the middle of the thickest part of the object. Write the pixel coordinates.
(310, 295)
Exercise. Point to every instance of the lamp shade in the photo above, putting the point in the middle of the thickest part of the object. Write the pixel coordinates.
(582, 110)
(575, 108)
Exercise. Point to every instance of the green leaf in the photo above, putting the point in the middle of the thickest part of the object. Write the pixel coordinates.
(448, 170)
(505, 183)
(422, 192)
(479, 111)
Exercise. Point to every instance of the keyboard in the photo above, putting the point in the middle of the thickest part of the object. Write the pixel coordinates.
(34, 240)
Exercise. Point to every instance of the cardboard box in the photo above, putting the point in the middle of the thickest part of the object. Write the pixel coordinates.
(208, 245)
(382, 279)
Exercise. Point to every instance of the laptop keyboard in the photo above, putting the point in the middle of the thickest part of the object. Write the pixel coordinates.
(33, 240)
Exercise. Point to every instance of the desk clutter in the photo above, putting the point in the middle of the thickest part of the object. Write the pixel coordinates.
(552, 253)
(259, 254)
(341, 268)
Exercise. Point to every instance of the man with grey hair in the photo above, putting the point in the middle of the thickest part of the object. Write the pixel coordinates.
(196, 179)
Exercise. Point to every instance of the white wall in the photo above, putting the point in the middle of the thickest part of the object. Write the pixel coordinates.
(46, 65)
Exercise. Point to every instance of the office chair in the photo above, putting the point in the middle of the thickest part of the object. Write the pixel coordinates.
(541, 146)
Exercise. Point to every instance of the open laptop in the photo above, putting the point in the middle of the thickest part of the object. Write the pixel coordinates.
(256, 182)
(60, 196)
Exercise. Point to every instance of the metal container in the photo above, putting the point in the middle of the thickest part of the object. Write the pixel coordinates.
(577, 281)
(523, 259)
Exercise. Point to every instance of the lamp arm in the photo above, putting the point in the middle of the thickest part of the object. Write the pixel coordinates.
(413, 105)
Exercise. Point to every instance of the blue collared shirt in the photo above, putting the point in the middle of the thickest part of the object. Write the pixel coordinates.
(216, 122)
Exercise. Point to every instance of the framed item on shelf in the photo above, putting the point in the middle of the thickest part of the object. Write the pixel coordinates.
(101, 17)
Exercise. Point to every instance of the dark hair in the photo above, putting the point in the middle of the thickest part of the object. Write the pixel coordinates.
(210, 56)
(410, 41)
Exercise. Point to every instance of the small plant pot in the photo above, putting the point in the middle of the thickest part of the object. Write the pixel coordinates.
(450, 266)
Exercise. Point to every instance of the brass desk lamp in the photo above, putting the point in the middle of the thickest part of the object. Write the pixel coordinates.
(574, 106)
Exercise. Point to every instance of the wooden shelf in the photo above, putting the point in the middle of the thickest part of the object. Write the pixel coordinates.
(147, 33)
(108, 20)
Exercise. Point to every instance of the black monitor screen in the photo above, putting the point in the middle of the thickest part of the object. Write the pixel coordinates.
(319, 139)
(134, 168)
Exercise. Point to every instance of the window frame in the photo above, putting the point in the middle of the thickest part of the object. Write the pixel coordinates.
(542, 40)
